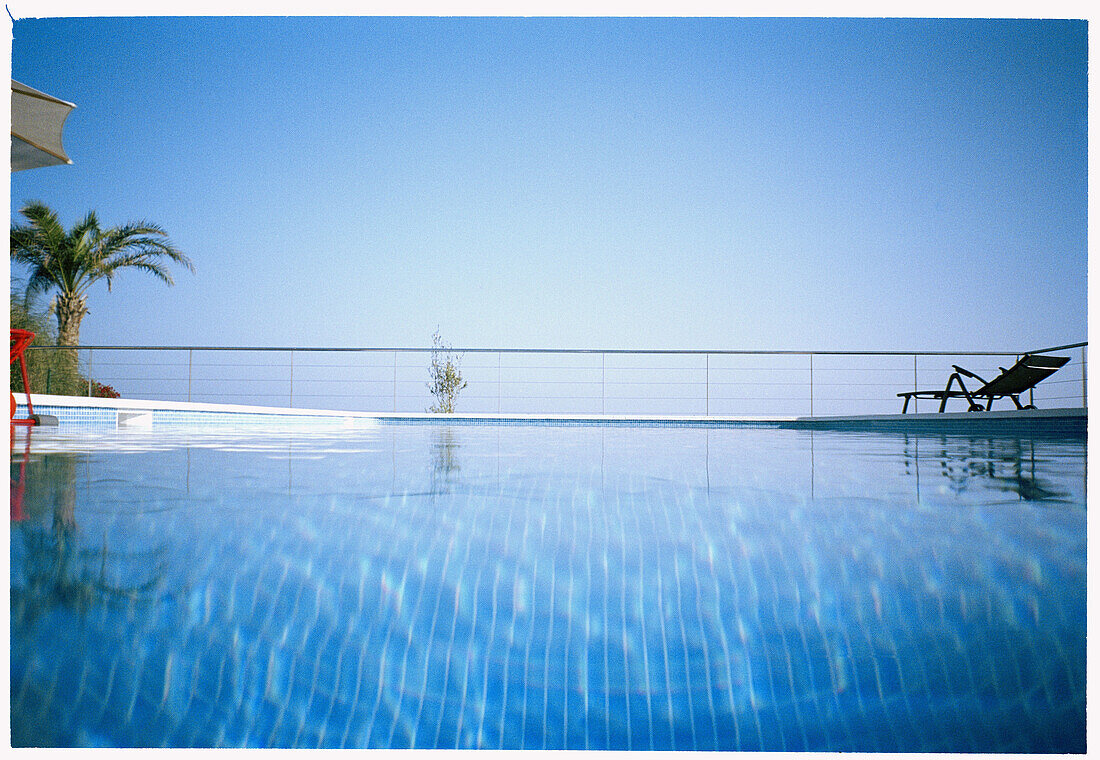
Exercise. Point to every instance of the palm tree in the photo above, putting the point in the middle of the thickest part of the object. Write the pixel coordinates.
(72, 261)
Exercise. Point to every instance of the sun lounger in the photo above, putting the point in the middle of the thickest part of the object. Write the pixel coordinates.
(1022, 376)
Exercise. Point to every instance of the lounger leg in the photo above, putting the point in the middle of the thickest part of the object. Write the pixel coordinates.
(957, 377)
(972, 405)
(947, 391)
(905, 406)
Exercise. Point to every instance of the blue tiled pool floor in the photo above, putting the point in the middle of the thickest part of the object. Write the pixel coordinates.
(526, 587)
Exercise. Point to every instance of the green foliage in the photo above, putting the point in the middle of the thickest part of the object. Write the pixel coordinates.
(446, 377)
(70, 261)
(99, 390)
(55, 371)
(27, 316)
(67, 263)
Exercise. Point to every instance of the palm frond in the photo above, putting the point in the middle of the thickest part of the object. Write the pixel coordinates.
(74, 259)
(143, 237)
(26, 247)
(41, 216)
(43, 233)
(39, 281)
(141, 262)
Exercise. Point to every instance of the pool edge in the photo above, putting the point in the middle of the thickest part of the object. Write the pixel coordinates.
(72, 410)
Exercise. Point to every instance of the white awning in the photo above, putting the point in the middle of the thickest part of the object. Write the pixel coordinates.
(36, 123)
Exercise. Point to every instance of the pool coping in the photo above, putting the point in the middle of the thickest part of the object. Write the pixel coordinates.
(146, 412)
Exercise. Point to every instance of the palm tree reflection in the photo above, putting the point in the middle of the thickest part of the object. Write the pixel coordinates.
(59, 566)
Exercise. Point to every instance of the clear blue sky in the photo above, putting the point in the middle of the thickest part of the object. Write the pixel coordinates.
(590, 183)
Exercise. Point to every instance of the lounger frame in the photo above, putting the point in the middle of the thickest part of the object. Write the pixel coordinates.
(1024, 375)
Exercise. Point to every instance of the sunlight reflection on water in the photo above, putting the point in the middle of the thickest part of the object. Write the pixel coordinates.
(541, 587)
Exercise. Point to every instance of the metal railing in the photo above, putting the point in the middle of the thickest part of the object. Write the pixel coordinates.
(559, 381)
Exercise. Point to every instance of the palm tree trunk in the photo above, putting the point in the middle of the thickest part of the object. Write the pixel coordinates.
(70, 309)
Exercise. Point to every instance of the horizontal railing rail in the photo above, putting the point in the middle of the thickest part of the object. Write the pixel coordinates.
(690, 382)
(635, 351)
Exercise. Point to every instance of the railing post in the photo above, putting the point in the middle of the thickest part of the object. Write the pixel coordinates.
(603, 383)
(1084, 378)
(190, 363)
(292, 377)
(811, 384)
(708, 386)
(916, 404)
(498, 382)
(89, 373)
(395, 381)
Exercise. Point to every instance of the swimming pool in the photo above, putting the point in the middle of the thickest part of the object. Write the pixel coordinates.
(548, 587)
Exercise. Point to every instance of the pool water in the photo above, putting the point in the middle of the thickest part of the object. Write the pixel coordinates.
(548, 587)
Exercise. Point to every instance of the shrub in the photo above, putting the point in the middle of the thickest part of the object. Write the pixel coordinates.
(446, 377)
(53, 371)
(99, 390)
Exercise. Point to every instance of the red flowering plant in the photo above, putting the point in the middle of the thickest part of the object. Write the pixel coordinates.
(99, 390)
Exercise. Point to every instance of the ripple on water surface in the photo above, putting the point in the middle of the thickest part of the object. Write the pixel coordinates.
(548, 587)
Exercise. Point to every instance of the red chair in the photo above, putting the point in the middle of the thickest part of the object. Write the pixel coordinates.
(20, 339)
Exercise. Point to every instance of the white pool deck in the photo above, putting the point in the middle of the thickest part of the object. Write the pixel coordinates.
(140, 413)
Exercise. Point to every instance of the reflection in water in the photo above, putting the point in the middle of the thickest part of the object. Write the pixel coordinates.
(593, 588)
(444, 460)
(19, 484)
(1005, 464)
(61, 567)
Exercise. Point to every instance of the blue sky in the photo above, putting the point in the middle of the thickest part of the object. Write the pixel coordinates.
(590, 183)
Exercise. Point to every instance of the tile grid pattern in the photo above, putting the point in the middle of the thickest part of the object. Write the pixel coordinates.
(635, 614)
(101, 416)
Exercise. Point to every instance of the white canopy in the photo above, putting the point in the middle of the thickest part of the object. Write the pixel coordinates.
(36, 123)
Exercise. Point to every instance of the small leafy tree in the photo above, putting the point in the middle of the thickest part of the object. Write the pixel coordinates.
(446, 377)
